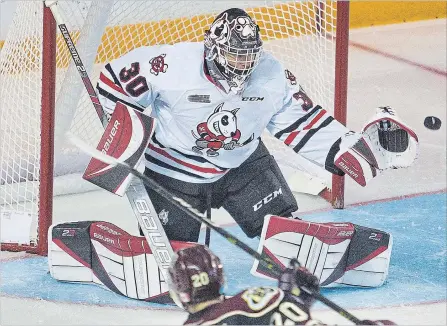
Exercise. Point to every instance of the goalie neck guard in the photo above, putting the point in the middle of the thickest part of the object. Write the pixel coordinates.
(195, 276)
(232, 49)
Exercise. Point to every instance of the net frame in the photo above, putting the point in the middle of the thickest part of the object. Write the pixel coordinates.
(50, 45)
(48, 103)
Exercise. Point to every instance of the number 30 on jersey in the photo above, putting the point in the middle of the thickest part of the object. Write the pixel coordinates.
(136, 84)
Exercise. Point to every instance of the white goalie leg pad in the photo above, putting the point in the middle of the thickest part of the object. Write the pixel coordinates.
(93, 254)
(102, 253)
(370, 272)
(339, 254)
(66, 267)
(393, 142)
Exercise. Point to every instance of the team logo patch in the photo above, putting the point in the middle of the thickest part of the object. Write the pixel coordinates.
(158, 64)
(199, 98)
(163, 216)
(291, 77)
(218, 132)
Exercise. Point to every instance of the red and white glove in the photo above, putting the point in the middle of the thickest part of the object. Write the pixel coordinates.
(385, 143)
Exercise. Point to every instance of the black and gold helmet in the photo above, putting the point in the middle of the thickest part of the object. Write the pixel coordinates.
(233, 47)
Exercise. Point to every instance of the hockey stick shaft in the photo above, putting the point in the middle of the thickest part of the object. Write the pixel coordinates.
(136, 194)
(208, 216)
(77, 59)
(200, 217)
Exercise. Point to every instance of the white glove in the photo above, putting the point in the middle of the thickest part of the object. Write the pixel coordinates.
(394, 144)
(385, 143)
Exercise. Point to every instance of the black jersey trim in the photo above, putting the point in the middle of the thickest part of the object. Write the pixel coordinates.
(310, 133)
(198, 159)
(108, 67)
(298, 122)
(161, 164)
(115, 99)
(330, 159)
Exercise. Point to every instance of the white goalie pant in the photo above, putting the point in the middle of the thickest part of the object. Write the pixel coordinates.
(339, 254)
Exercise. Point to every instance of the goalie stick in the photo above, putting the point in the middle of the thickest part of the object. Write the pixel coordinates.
(200, 217)
(136, 194)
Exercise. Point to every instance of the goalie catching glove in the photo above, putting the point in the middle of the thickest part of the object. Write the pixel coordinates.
(385, 143)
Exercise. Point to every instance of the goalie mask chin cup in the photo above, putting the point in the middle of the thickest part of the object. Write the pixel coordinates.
(195, 276)
(233, 47)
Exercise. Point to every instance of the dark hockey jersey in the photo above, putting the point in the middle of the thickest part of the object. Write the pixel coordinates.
(254, 306)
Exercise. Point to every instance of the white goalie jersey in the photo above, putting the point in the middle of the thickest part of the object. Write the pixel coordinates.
(201, 130)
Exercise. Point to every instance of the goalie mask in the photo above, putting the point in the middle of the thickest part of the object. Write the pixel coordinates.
(232, 49)
(195, 276)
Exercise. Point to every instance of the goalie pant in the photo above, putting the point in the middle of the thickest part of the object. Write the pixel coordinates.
(338, 254)
(101, 253)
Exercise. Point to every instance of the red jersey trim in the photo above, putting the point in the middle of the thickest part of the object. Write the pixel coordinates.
(189, 165)
(111, 84)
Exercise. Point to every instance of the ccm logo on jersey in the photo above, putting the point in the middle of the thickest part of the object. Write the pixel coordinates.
(267, 199)
(110, 138)
(252, 99)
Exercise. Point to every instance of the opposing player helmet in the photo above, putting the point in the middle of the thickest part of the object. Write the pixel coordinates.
(195, 276)
(232, 48)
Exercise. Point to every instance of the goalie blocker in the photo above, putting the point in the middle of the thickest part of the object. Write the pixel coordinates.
(103, 254)
(339, 254)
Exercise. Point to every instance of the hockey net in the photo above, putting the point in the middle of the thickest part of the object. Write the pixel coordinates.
(301, 34)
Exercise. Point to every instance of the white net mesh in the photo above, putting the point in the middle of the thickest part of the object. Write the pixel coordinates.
(298, 33)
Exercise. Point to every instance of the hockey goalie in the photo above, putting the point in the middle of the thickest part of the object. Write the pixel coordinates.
(211, 101)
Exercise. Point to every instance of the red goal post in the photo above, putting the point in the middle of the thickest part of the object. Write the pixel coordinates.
(42, 95)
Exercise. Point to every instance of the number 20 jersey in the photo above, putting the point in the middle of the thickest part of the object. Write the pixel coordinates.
(255, 306)
(203, 131)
